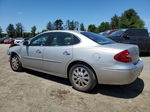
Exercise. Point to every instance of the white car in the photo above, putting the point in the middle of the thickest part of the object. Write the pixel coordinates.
(18, 40)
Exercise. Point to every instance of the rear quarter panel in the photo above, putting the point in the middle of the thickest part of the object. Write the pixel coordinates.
(97, 57)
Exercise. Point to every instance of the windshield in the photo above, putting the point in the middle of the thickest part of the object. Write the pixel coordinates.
(97, 38)
(117, 33)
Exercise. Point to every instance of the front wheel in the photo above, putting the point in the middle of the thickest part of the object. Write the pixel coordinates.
(82, 77)
(15, 63)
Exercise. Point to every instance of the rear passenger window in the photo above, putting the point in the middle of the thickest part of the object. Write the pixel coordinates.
(61, 39)
(64, 39)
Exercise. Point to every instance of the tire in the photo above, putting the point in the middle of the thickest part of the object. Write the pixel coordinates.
(82, 77)
(15, 63)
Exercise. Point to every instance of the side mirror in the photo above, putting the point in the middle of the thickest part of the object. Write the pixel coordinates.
(26, 43)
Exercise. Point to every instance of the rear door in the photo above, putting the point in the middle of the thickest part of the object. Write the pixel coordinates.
(58, 53)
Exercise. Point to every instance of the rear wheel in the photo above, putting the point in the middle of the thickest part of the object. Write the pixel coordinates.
(15, 63)
(82, 77)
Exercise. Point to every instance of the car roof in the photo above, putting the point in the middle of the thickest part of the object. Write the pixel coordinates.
(69, 31)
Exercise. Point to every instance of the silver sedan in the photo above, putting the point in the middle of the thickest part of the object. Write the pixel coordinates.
(85, 58)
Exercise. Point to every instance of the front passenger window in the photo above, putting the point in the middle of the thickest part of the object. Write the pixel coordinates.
(40, 40)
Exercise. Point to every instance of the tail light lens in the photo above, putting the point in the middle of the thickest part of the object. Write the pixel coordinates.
(123, 56)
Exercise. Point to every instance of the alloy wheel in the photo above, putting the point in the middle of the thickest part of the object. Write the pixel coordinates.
(80, 77)
(15, 63)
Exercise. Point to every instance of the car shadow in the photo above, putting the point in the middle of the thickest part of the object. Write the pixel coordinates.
(48, 77)
(127, 91)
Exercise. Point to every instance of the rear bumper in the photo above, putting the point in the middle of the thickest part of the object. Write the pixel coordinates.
(120, 76)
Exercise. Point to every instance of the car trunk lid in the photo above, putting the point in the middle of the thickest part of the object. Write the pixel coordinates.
(133, 50)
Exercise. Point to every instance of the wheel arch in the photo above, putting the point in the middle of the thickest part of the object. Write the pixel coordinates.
(80, 62)
(13, 54)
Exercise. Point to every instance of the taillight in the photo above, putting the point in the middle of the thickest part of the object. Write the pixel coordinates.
(123, 56)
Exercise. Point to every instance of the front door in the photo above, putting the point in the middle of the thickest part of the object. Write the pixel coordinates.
(32, 55)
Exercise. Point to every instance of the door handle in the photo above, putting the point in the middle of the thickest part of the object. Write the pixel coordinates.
(38, 51)
(66, 53)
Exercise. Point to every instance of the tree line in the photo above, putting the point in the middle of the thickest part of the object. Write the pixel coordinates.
(17, 30)
(128, 19)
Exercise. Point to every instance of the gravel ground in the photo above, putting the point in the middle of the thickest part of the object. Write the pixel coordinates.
(32, 91)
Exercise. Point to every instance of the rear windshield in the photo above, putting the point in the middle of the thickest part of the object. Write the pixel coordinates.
(97, 38)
